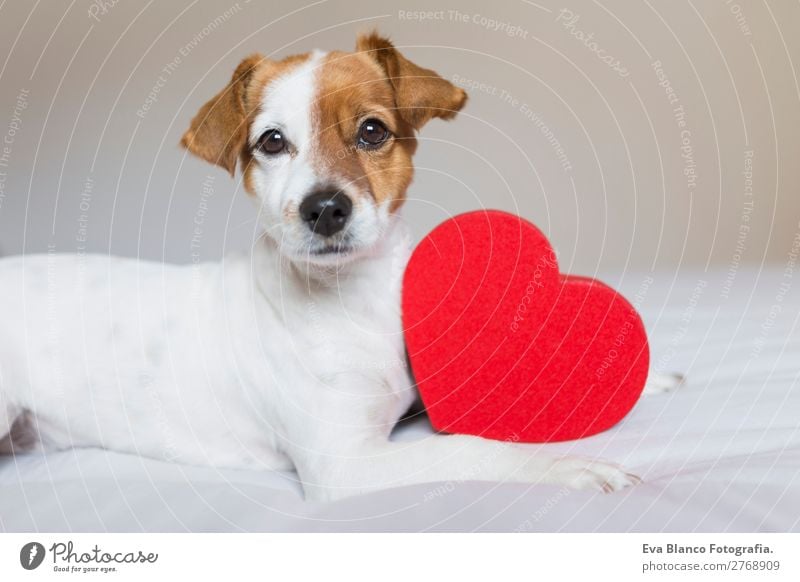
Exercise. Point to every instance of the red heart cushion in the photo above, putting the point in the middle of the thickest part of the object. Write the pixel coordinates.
(503, 346)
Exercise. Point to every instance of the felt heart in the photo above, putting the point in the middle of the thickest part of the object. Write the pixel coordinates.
(504, 346)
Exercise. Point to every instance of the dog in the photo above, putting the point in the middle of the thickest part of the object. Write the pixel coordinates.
(290, 356)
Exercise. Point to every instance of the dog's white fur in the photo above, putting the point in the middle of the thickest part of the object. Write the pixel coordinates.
(276, 359)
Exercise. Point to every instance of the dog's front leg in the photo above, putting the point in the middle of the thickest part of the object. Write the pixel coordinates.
(369, 465)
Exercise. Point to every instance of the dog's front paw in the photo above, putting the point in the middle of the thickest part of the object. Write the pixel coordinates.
(661, 383)
(580, 473)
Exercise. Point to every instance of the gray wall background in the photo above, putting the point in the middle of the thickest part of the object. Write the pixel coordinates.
(592, 152)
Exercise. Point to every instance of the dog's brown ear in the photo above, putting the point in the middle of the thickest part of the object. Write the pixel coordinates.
(420, 93)
(219, 130)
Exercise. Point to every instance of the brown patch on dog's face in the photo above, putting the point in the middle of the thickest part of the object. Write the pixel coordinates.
(218, 133)
(353, 91)
(377, 83)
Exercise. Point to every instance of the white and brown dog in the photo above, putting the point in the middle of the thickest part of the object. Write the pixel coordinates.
(289, 357)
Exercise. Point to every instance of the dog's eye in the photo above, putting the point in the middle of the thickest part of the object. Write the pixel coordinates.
(272, 142)
(372, 133)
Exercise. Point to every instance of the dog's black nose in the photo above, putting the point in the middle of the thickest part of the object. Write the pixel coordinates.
(326, 212)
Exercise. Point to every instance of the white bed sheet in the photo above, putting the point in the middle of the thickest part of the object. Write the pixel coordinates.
(720, 454)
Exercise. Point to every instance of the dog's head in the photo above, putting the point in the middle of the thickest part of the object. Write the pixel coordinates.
(324, 141)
